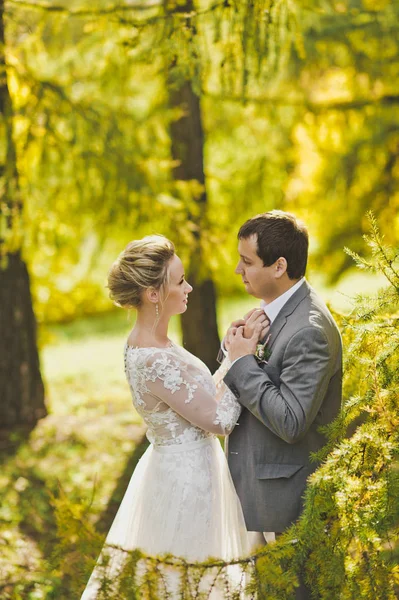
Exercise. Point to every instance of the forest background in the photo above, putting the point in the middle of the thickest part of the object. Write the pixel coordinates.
(176, 117)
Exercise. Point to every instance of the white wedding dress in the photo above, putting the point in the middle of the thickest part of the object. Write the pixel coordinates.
(181, 499)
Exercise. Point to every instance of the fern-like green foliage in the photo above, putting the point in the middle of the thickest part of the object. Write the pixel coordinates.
(346, 542)
(349, 528)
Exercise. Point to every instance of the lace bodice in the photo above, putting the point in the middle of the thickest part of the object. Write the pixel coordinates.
(176, 395)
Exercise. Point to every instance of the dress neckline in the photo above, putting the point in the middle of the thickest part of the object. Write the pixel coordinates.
(171, 345)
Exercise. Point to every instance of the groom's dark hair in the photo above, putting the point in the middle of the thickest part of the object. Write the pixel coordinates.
(279, 233)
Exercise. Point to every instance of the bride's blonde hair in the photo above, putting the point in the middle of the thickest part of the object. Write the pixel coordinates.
(141, 265)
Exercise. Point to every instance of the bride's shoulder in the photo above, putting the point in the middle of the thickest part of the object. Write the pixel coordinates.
(152, 354)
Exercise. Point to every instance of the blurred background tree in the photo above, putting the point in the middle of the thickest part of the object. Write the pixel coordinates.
(21, 386)
(112, 153)
(347, 137)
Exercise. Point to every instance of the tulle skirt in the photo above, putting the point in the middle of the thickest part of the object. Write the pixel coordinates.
(180, 500)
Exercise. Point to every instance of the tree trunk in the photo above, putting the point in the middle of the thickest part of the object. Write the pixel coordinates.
(199, 323)
(21, 386)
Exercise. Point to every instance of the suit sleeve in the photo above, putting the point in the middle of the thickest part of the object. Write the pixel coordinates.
(289, 409)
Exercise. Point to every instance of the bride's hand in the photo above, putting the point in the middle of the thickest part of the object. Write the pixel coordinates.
(241, 346)
(232, 330)
(252, 319)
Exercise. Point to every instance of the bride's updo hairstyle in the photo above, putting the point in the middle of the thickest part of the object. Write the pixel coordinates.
(143, 264)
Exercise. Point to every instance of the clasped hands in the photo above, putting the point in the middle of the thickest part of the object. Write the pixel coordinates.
(243, 335)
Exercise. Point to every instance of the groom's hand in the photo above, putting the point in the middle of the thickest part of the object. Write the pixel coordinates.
(252, 319)
(240, 346)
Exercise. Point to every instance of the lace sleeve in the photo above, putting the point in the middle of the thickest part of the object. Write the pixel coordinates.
(221, 372)
(228, 409)
(167, 378)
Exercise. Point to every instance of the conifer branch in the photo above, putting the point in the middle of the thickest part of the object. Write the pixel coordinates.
(315, 107)
(121, 8)
(361, 262)
(183, 16)
(375, 241)
(149, 4)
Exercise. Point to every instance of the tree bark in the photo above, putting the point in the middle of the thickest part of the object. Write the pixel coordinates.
(199, 323)
(21, 385)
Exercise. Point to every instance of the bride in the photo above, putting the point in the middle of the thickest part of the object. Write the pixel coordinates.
(180, 499)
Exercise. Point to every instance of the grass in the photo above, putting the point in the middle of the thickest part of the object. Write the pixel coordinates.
(88, 444)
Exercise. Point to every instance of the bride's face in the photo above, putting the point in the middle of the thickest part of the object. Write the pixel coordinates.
(178, 289)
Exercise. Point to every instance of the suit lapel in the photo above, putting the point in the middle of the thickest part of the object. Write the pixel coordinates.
(275, 329)
(284, 313)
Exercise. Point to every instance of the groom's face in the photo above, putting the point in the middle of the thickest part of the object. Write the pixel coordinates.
(259, 280)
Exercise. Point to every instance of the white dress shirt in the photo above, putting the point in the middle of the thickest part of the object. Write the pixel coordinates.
(273, 308)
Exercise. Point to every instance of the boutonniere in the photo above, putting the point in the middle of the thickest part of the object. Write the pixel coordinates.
(263, 353)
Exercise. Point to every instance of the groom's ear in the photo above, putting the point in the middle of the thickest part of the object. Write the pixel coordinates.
(280, 267)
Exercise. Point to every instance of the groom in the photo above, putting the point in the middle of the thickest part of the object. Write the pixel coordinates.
(297, 387)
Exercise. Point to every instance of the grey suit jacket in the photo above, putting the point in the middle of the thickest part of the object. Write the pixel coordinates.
(284, 403)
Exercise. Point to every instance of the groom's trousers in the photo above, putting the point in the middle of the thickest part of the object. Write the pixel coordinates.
(258, 538)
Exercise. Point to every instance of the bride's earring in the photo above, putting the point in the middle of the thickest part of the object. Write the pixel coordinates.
(157, 310)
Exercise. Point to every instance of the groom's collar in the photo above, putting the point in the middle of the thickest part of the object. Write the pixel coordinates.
(288, 308)
(273, 308)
